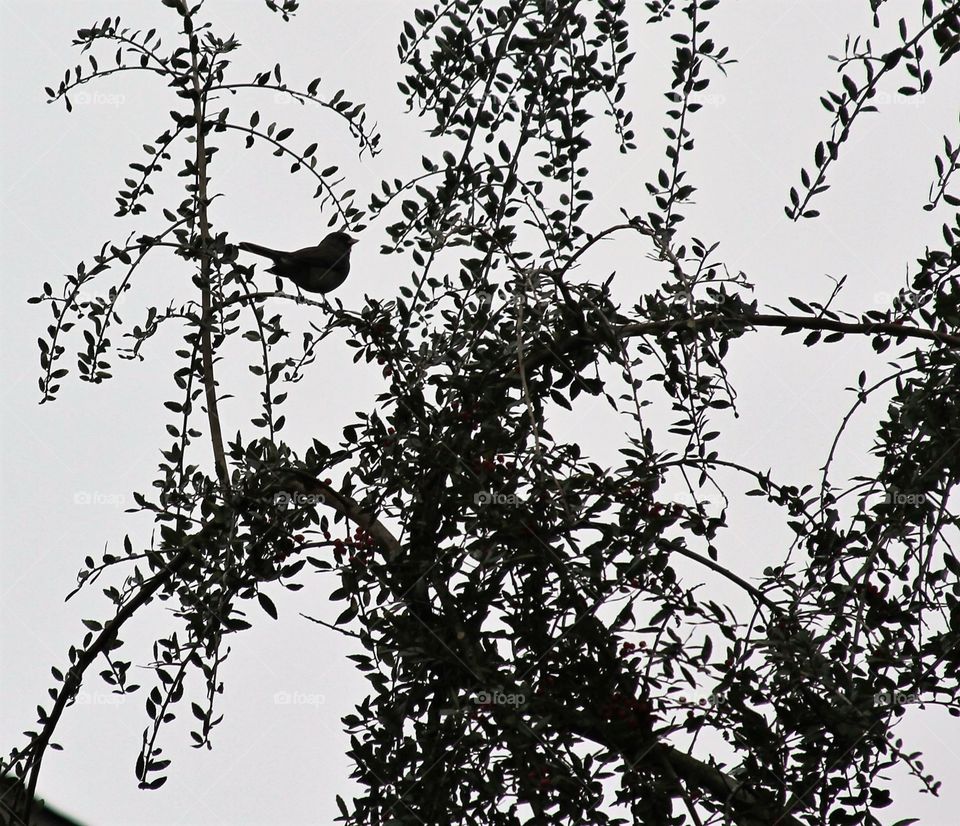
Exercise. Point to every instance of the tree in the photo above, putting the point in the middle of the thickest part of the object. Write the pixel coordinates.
(532, 652)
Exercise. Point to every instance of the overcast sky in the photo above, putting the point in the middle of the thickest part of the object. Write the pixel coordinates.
(69, 468)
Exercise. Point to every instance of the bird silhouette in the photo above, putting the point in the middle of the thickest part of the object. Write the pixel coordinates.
(318, 269)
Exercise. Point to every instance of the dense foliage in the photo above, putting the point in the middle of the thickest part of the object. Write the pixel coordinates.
(532, 653)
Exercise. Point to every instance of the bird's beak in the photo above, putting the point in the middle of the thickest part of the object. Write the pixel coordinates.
(353, 241)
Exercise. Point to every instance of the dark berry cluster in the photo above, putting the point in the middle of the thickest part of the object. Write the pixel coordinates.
(631, 711)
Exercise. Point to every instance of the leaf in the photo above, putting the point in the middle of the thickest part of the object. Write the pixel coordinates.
(347, 615)
(267, 604)
(891, 59)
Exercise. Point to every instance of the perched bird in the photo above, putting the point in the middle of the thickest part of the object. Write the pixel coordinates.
(318, 269)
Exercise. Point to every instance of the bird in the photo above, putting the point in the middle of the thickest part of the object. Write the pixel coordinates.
(318, 269)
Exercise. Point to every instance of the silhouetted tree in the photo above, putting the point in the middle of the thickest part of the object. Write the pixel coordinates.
(533, 655)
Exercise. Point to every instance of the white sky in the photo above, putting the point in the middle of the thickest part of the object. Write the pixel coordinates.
(275, 762)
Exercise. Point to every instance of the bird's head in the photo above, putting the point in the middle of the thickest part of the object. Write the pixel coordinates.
(339, 239)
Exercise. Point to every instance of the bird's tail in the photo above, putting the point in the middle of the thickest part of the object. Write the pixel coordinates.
(256, 249)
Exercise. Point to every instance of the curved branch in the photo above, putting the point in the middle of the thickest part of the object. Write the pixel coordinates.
(73, 678)
(367, 141)
(745, 808)
(303, 163)
(206, 321)
(555, 351)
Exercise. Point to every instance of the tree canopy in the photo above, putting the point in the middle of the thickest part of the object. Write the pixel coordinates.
(532, 653)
